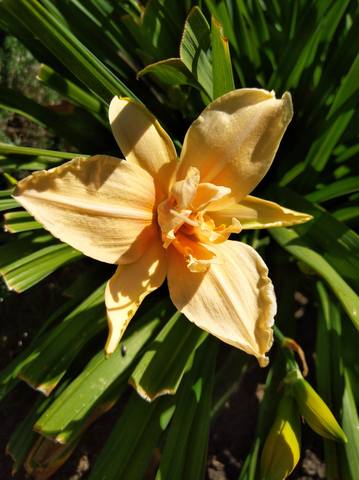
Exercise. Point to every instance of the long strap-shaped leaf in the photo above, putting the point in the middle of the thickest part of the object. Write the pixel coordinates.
(185, 450)
(67, 48)
(291, 241)
(100, 384)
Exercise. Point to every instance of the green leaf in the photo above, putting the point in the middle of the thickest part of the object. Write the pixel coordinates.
(220, 11)
(221, 61)
(67, 48)
(335, 189)
(228, 379)
(185, 450)
(31, 258)
(26, 244)
(7, 203)
(131, 444)
(194, 47)
(23, 438)
(49, 361)
(15, 222)
(320, 25)
(351, 427)
(26, 158)
(292, 242)
(329, 362)
(337, 120)
(77, 291)
(157, 31)
(163, 365)
(248, 43)
(347, 214)
(338, 244)
(345, 153)
(9, 149)
(77, 127)
(162, 21)
(12, 26)
(95, 29)
(27, 271)
(328, 369)
(100, 384)
(267, 411)
(248, 471)
(170, 72)
(70, 90)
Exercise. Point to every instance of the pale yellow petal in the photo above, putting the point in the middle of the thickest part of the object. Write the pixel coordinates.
(100, 205)
(207, 194)
(185, 190)
(253, 212)
(142, 140)
(234, 140)
(129, 286)
(234, 300)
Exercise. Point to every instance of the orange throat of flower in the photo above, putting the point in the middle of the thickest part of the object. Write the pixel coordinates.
(186, 223)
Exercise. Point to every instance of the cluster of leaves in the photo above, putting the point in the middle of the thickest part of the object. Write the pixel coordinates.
(176, 57)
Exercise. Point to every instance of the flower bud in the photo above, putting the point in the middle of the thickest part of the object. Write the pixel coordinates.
(315, 411)
(281, 449)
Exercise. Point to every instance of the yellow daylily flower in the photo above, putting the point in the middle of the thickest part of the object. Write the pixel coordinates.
(157, 216)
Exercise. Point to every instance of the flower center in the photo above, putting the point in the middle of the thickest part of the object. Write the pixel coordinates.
(186, 223)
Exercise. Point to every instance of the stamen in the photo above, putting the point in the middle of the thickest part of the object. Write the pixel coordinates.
(199, 266)
(186, 223)
(184, 217)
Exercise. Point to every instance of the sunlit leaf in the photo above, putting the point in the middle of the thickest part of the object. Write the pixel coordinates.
(194, 49)
(221, 61)
(100, 384)
(161, 368)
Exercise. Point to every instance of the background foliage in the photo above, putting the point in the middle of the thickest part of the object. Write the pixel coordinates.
(175, 58)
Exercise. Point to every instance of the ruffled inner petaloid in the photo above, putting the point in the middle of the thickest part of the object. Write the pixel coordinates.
(186, 223)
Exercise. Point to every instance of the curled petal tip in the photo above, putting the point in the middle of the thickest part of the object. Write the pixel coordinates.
(233, 300)
(235, 141)
(142, 140)
(263, 361)
(288, 107)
